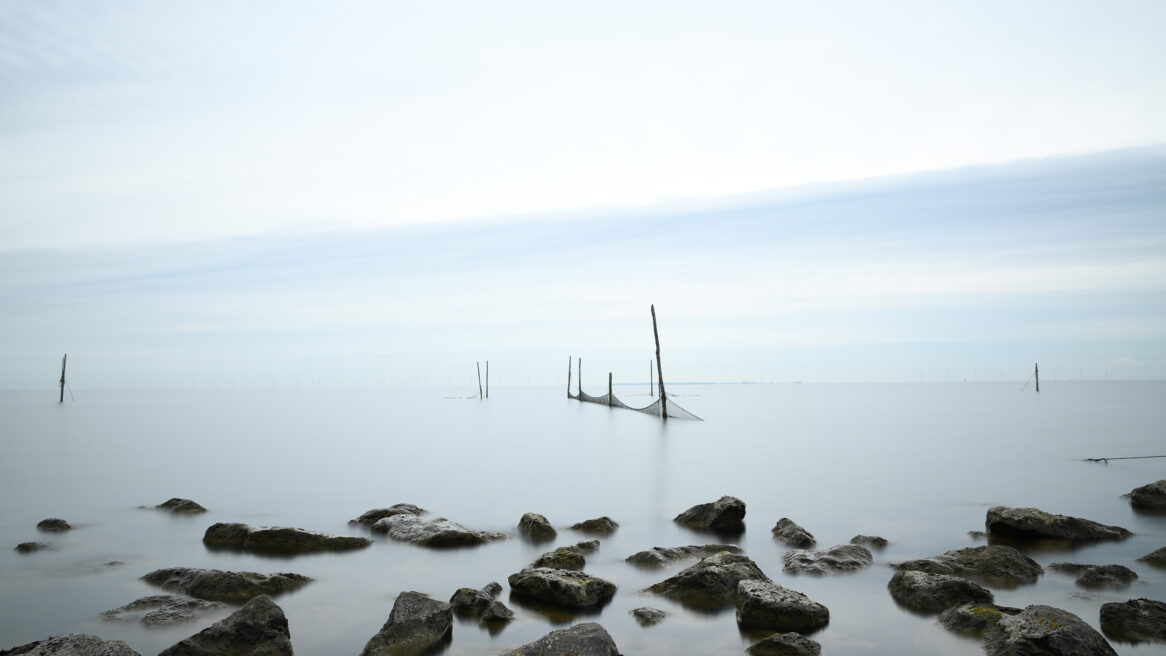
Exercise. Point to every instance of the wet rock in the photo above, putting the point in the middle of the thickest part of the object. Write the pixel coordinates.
(648, 616)
(767, 605)
(1136, 620)
(785, 644)
(29, 547)
(257, 629)
(934, 592)
(218, 585)
(53, 524)
(870, 541)
(838, 559)
(995, 565)
(1031, 523)
(157, 610)
(589, 639)
(496, 613)
(588, 546)
(725, 515)
(1156, 558)
(438, 532)
(415, 625)
(1045, 630)
(376, 514)
(974, 618)
(278, 540)
(471, 602)
(74, 644)
(1149, 497)
(790, 533)
(712, 582)
(562, 558)
(561, 586)
(600, 525)
(1098, 576)
(177, 505)
(661, 556)
(534, 526)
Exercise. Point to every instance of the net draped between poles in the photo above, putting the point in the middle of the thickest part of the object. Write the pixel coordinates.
(674, 411)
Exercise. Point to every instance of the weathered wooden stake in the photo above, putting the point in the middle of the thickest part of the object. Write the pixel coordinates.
(659, 368)
(569, 359)
(610, 396)
(1036, 374)
(63, 361)
(479, 380)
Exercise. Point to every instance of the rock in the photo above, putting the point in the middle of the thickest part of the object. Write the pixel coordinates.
(712, 582)
(1136, 620)
(725, 515)
(439, 532)
(53, 524)
(601, 525)
(562, 558)
(278, 540)
(588, 546)
(870, 541)
(177, 505)
(996, 565)
(373, 516)
(1149, 497)
(257, 629)
(218, 585)
(496, 613)
(790, 533)
(766, 605)
(1156, 558)
(161, 609)
(661, 556)
(534, 526)
(1030, 523)
(1045, 630)
(561, 586)
(416, 625)
(1098, 576)
(934, 592)
(587, 639)
(785, 644)
(974, 618)
(74, 644)
(29, 547)
(837, 559)
(471, 602)
(648, 616)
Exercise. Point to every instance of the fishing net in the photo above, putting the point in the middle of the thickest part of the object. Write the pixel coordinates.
(609, 399)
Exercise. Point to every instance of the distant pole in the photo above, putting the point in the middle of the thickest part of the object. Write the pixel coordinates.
(63, 361)
(610, 396)
(1036, 374)
(479, 380)
(487, 379)
(569, 359)
(659, 368)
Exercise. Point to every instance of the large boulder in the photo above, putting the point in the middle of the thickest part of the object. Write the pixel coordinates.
(438, 532)
(589, 639)
(600, 525)
(767, 605)
(661, 556)
(73, 644)
(1031, 523)
(278, 540)
(974, 618)
(371, 517)
(1136, 620)
(838, 559)
(1157, 558)
(1149, 497)
(1039, 630)
(790, 533)
(53, 524)
(785, 644)
(218, 585)
(932, 593)
(536, 528)
(725, 515)
(157, 610)
(1098, 576)
(712, 582)
(181, 506)
(257, 629)
(561, 586)
(996, 565)
(562, 558)
(416, 625)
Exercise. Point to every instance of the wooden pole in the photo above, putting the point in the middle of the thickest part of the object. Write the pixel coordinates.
(1036, 373)
(610, 396)
(479, 380)
(63, 361)
(659, 368)
(569, 359)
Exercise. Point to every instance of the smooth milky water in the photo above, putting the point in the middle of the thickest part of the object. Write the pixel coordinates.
(917, 464)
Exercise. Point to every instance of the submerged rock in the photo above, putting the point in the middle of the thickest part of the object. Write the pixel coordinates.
(278, 540)
(438, 532)
(1098, 576)
(562, 558)
(257, 629)
(587, 546)
(1045, 630)
(725, 515)
(767, 605)
(218, 585)
(790, 533)
(73, 644)
(1136, 620)
(838, 559)
(371, 517)
(1156, 558)
(1149, 497)
(785, 644)
(29, 547)
(177, 505)
(415, 625)
(974, 618)
(934, 592)
(496, 613)
(53, 524)
(561, 586)
(648, 616)
(1031, 523)
(995, 564)
(588, 639)
(161, 609)
(534, 526)
(712, 582)
(471, 602)
(601, 525)
(661, 556)
(871, 541)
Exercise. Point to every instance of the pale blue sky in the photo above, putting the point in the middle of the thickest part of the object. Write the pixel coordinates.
(196, 192)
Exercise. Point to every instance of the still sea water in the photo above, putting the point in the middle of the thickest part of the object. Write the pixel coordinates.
(917, 464)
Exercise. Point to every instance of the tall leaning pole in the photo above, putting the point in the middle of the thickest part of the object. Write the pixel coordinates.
(659, 368)
(63, 361)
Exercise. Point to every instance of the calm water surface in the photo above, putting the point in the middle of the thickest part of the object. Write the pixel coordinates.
(917, 464)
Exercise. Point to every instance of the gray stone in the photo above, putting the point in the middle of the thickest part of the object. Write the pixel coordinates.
(712, 582)
(725, 515)
(74, 644)
(785, 644)
(496, 613)
(534, 526)
(416, 625)
(218, 585)
(1136, 620)
(1039, 630)
(1031, 523)
(373, 516)
(648, 616)
(562, 558)
(29, 547)
(438, 532)
(767, 605)
(589, 639)
(1098, 576)
(790, 533)
(996, 565)
(588, 546)
(600, 525)
(1149, 497)
(257, 629)
(933, 593)
(870, 541)
(974, 618)
(561, 586)
(471, 602)
(53, 524)
(278, 540)
(157, 610)
(181, 506)
(838, 559)
(661, 556)
(1156, 558)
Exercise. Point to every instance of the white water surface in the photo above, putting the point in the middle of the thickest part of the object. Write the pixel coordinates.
(917, 464)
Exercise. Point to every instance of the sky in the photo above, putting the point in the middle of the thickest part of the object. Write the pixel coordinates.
(349, 193)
